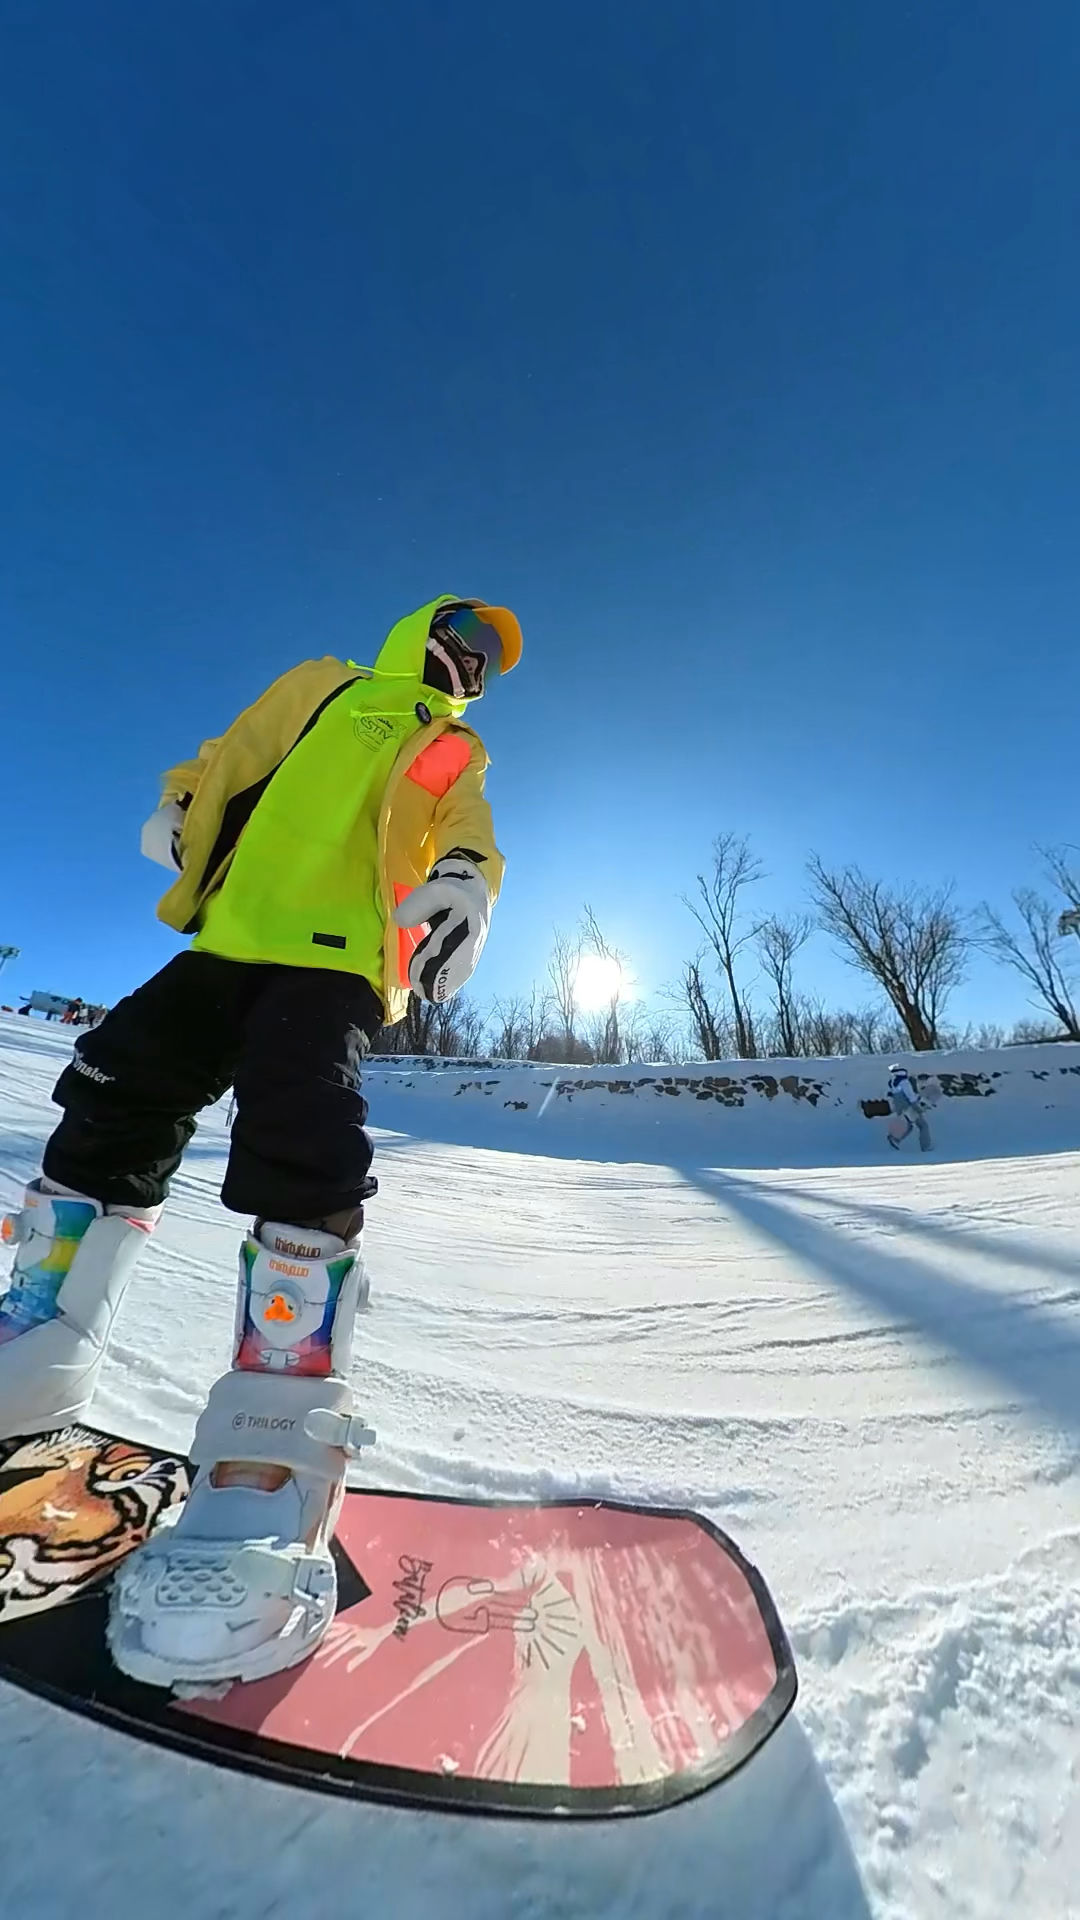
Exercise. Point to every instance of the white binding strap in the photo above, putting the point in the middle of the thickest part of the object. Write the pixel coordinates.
(305, 1425)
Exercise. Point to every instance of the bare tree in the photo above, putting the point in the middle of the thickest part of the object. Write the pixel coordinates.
(1034, 954)
(455, 1027)
(875, 1029)
(650, 1036)
(913, 942)
(562, 972)
(778, 941)
(867, 1027)
(472, 1024)
(1066, 877)
(506, 1028)
(412, 1034)
(1031, 1033)
(606, 1036)
(458, 1028)
(826, 1031)
(717, 910)
(594, 1036)
(986, 1036)
(708, 1026)
(537, 1018)
(562, 1050)
(634, 1027)
(977, 1036)
(517, 1024)
(1063, 874)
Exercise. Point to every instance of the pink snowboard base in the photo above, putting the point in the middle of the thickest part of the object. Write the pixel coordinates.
(552, 1658)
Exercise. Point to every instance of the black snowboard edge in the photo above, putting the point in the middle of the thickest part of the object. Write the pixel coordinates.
(144, 1713)
(61, 1656)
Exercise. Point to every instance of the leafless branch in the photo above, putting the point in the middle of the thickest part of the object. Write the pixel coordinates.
(717, 908)
(1033, 953)
(778, 941)
(1062, 873)
(562, 972)
(709, 1030)
(607, 1038)
(912, 941)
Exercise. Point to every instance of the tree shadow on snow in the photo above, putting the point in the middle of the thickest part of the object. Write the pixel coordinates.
(1032, 1350)
(1011, 1249)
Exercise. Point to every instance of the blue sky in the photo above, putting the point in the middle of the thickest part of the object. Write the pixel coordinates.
(738, 349)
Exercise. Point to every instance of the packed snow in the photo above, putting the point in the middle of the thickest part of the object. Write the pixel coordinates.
(864, 1366)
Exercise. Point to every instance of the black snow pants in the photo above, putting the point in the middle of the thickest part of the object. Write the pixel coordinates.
(289, 1040)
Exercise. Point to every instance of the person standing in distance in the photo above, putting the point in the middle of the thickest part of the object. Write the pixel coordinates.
(909, 1110)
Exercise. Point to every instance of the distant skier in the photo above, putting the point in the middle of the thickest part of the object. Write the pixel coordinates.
(909, 1109)
(334, 850)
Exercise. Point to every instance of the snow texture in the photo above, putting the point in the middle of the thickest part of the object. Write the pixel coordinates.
(864, 1366)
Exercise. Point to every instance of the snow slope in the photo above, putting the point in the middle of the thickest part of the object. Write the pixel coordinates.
(869, 1372)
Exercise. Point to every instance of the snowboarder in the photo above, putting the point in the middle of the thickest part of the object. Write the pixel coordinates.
(332, 851)
(909, 1110)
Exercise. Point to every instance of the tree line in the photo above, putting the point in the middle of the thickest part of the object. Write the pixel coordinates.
(738, 995)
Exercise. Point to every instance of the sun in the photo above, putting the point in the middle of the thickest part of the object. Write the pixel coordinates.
(598, 981)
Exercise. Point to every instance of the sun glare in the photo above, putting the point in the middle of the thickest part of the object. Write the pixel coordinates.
(597, 982)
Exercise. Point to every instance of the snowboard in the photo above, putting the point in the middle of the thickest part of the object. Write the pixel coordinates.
(548, 1657)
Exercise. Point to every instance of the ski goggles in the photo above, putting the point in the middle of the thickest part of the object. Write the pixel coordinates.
(466, 644)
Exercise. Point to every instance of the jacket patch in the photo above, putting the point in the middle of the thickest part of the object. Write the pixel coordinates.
(373, 729)
(440, 764)
(328, 940)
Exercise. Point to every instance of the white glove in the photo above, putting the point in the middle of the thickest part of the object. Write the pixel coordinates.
(160, 837)
(455, 902)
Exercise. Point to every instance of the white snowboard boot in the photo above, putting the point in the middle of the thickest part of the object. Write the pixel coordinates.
(242, 1583)
(73, 1260)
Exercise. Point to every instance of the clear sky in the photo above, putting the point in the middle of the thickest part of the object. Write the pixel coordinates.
(737, 348)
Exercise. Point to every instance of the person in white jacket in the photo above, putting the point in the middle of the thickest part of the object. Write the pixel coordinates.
(909, 1111)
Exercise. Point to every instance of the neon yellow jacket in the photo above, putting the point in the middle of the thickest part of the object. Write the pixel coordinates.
(321, 807)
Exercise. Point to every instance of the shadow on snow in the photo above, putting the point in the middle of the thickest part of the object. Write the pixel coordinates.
(1033, 1350)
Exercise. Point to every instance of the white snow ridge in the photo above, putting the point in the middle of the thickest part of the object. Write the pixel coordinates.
(865, 1366)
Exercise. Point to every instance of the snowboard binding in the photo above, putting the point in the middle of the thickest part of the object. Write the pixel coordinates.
(241, 1583)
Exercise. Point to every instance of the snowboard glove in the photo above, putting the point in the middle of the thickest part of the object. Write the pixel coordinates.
(160, 838)
(455, 904)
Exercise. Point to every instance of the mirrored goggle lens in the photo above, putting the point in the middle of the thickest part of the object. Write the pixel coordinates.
(474, 632)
